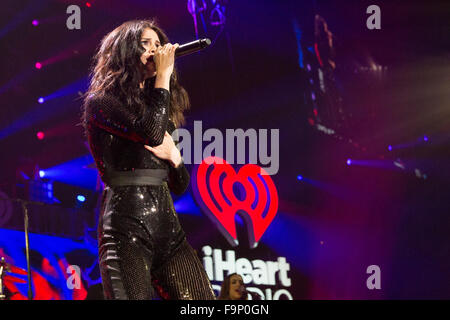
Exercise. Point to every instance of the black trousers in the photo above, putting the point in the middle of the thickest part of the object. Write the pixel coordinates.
(142, 248)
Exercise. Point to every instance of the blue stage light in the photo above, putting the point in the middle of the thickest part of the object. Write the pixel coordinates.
(390, 148)
(41, 173)
(78, 172)
(81, 198)
(299, 177)
(45, 109)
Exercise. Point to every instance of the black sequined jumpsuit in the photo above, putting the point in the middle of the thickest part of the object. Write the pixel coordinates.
(141, 243)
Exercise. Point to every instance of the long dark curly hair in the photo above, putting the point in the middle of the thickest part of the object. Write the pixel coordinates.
(117, 69)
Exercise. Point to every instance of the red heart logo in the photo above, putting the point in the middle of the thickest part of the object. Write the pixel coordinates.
(213, 188)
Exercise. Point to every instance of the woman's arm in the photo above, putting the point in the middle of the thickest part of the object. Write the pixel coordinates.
(179, 177)
(109, 114)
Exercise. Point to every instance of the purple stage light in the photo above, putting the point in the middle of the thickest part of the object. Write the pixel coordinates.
(40, 135)
(38, 65)
(349, 161)
(41, 100)
(35, 22)
(425, 138)
(390, 148)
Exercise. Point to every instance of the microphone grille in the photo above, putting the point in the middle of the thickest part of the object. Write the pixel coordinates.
(206, 42)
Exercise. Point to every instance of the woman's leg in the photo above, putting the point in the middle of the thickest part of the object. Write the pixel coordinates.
(125, 269)
(124, 261)
(183, 277)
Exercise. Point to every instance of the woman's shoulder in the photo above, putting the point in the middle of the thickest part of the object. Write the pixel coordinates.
(103, 101)
(105, 97)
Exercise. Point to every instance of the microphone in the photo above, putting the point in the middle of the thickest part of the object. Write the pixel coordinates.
(190, 47)
(4, 265)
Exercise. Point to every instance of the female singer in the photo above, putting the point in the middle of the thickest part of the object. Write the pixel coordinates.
(133, 104)
(233, 288)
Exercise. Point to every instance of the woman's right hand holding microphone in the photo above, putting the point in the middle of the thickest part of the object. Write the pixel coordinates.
(164, 59)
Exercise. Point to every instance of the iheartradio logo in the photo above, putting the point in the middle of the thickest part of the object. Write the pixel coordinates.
(213, 184)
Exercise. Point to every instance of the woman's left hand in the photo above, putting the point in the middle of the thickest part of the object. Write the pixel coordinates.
(167, 150)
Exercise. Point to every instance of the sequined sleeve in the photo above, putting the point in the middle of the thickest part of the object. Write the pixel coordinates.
(115, 117)
(178, 179)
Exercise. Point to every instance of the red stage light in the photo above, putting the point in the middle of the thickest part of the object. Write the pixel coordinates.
(40, 135)
(88, 4)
